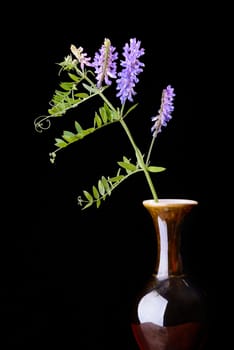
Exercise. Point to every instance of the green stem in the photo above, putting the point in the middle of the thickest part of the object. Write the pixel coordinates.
(140, 160)
(98, 91)
(150, 150)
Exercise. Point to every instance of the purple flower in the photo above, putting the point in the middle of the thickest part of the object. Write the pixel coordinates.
(104, 63)
(164, 113)
(81, 56)
(132, 67)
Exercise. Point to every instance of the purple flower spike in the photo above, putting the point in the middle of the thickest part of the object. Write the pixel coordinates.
(104, 63)
(164, 113)
(132, 67)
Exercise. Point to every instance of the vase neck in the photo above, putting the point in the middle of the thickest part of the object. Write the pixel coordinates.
(167, 218)
(169, 262)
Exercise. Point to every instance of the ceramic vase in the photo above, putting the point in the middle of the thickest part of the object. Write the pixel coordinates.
(169, 313)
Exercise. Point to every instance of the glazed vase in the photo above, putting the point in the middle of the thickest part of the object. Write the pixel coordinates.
(169, 313)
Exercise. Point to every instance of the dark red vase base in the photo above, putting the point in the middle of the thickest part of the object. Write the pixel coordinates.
(187, 336)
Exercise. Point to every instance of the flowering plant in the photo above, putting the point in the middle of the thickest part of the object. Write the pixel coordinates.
(89, 78)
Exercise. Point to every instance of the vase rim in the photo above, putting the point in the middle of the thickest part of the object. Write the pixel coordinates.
(170, 201)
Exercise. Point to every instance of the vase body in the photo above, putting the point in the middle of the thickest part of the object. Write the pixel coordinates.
(169, 313)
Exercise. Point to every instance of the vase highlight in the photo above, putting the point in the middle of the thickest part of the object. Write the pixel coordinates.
(169, 312)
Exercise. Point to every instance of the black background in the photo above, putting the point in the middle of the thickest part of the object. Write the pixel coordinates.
(68, 276)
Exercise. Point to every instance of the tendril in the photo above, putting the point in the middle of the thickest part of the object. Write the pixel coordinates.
(42, 123)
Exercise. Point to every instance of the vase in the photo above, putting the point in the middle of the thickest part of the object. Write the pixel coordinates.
(169, 313)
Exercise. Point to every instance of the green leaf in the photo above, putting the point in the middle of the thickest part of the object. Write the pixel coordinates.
(101, 187)
(95, 192)
(78, 127)
(60, 143)
(68, 86)
(90, 88)
(97, 120)
(106, 185)
(115, 115)
(103, 114)
(116, 178)
(98, 203)
(125, 159)
(68, 133)
(155, 169)
(87, 205)
(74, 77)
(69, 136)
(82, 95)
(87, 131)
(57, 110)
(88, 196)
(128, 166)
